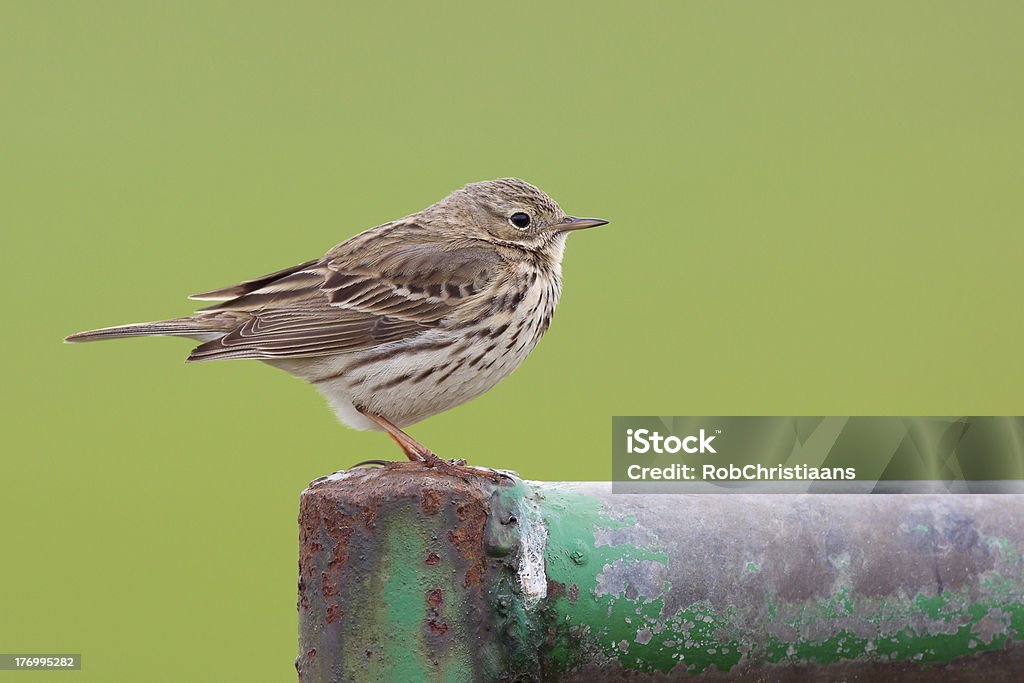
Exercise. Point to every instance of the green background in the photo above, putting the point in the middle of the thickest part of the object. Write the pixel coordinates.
(815, 210)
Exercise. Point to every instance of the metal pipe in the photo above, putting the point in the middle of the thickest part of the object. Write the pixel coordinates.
(410, 575)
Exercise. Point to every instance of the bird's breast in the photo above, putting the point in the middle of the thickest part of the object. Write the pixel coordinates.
(462, 358)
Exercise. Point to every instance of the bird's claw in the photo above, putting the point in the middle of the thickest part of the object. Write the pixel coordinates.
(364, 463)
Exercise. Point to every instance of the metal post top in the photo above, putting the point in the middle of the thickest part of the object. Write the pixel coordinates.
(398, 480)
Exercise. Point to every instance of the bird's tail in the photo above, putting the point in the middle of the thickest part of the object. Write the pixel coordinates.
(201, 327)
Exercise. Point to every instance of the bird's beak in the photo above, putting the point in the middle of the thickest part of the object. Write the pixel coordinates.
(570, 223)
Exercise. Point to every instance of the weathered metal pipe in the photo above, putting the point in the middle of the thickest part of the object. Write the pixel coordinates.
(410, 575)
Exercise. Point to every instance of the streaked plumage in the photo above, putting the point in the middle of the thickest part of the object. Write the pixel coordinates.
(404, 320)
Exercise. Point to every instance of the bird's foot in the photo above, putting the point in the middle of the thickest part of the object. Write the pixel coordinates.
(431, 459)
(458, 467)
(454, 467)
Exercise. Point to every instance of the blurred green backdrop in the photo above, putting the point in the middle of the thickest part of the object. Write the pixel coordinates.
(816, 210)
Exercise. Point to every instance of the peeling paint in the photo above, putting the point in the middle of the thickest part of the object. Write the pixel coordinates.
(642, 580)
(531, 581)
(627, 602)
(533, 539)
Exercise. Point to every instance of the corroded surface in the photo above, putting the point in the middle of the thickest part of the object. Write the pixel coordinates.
(391, 577)
(785, 587)
(407, 574)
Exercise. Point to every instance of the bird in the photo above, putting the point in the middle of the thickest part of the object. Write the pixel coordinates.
(404, 320)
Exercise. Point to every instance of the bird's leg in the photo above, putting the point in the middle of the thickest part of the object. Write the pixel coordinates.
(409, 451)
(417, 452)
(413, 449)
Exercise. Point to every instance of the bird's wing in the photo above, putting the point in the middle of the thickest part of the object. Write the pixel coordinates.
(352, 300)
(235, 291)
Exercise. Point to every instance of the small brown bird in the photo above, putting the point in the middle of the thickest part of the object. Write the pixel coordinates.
(402, 321)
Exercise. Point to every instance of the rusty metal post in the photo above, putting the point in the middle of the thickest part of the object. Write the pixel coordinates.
(408, 575)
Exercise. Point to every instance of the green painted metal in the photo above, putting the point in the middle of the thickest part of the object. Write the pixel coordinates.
(621, 617)
(567, 582)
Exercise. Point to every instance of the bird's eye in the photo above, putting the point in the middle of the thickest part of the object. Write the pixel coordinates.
(519, 220)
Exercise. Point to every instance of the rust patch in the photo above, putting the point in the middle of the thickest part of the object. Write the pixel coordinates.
(432, 560)
(551, 634)
(556, 589)
(302, 662)
(468, 539)
(322, 531)
(437, 627)
(339, 532)
(370, 516)
(574, 593)
(430, 501)
(336, 527)
(474, 573)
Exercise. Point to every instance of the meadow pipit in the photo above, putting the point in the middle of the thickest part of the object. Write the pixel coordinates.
(404, 320)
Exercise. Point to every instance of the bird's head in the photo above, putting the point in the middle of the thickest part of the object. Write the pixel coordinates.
(512, 212)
